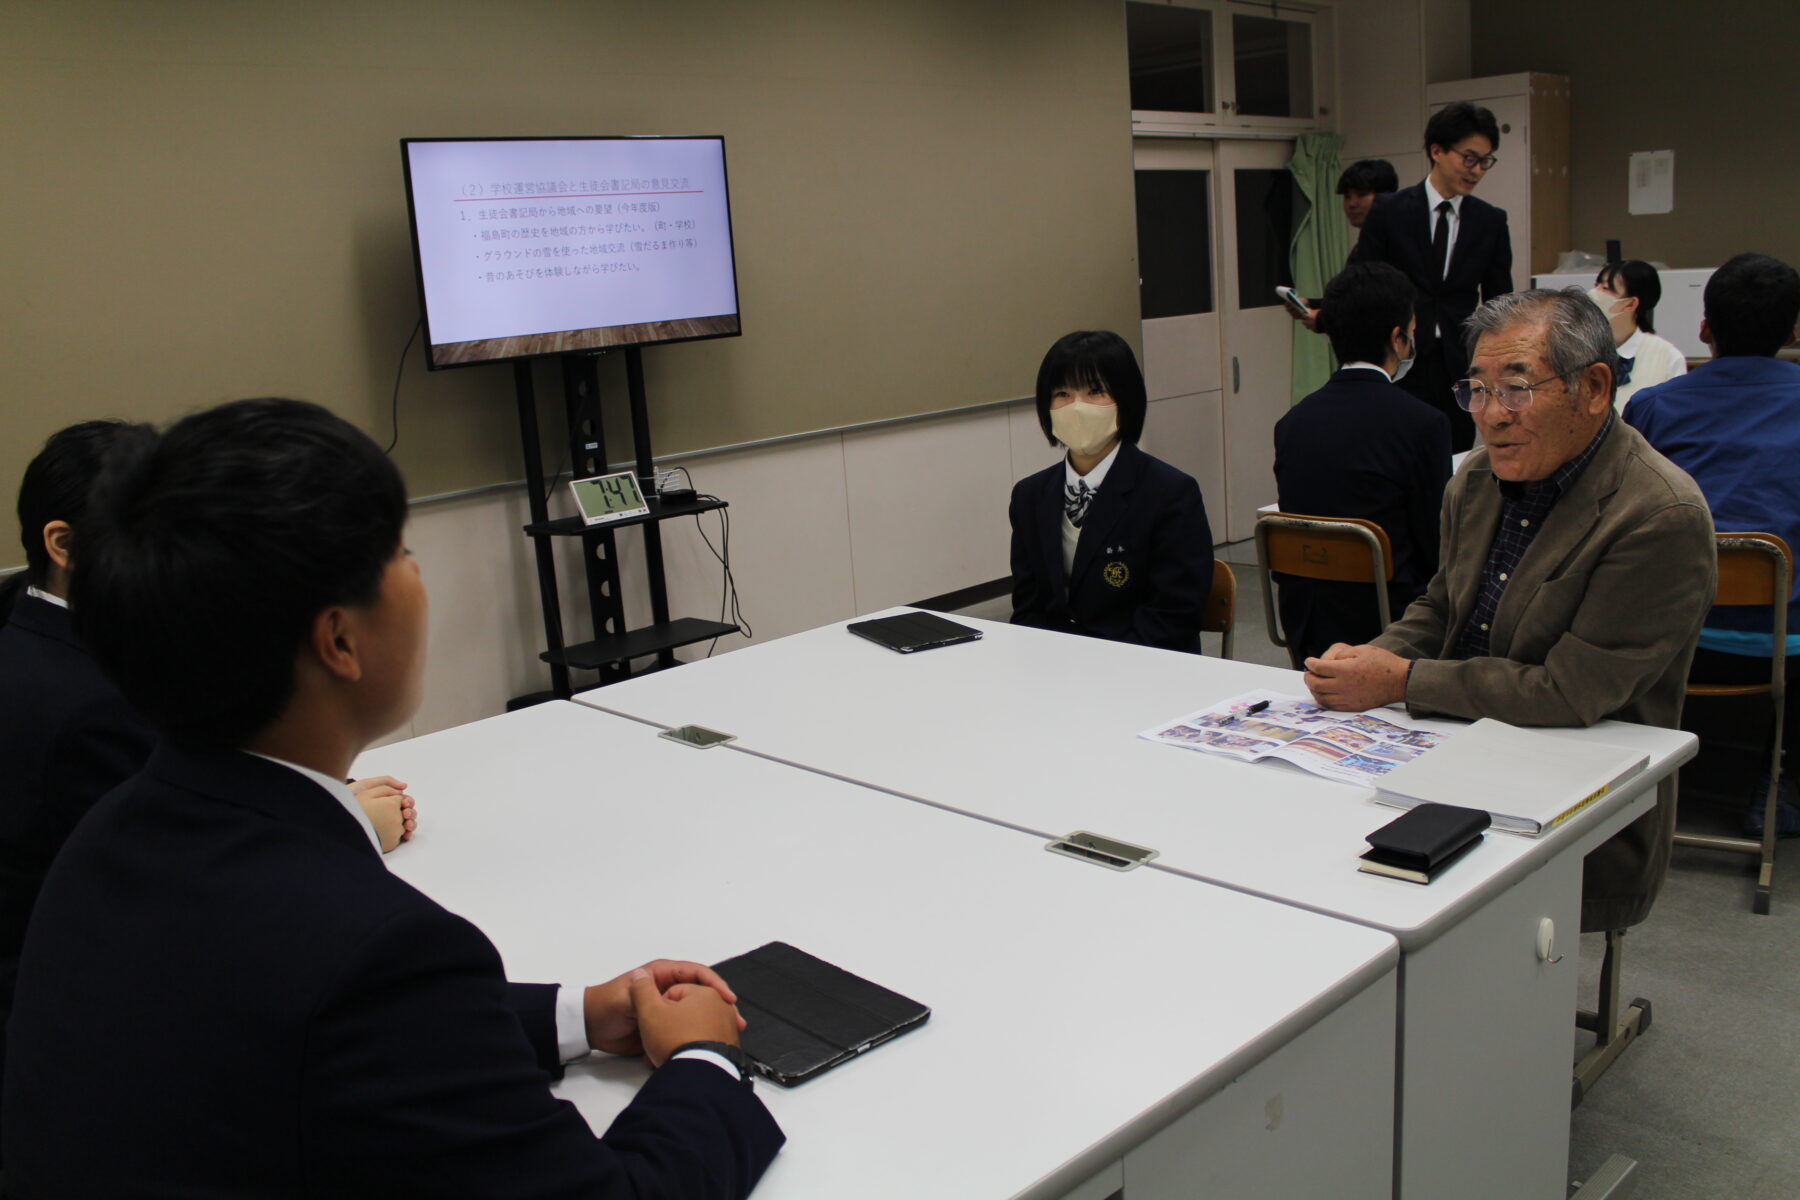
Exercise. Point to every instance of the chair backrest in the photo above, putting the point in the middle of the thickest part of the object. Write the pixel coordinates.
(1344, 549)
(1755, 570)
(1221, 606)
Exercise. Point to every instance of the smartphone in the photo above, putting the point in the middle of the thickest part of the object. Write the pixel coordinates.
(697, 736)
(1294, 300)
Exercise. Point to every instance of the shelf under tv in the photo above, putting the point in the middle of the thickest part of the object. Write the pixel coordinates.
(637, 643)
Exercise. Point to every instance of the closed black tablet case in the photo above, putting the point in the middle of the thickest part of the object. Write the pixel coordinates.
(804, 1016)
(912, 631)
(1426, 835)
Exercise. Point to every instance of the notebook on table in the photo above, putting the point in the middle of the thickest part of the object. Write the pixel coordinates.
(1529, 781)
(804, 1016)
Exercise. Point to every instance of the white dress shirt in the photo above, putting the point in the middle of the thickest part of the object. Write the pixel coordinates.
(1432, 200)
(1654, 360)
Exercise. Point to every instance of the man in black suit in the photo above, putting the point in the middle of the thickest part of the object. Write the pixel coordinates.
(1454, 248)
(222, 990)
(1361, 447)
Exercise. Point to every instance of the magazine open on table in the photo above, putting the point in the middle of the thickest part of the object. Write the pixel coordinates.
(1354, 748)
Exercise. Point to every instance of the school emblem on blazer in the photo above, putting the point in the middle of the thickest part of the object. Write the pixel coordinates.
(1116, 574)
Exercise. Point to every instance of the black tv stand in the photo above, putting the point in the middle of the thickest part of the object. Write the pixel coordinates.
(613, 646)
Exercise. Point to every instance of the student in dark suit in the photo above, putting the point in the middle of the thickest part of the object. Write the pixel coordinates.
(223, 991)
(1361, 447)
(1110, 542)
(67, 737)
(1453, 247)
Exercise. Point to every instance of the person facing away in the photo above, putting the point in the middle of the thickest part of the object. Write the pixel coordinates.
(1454, 248)
(1577, 564)
(67, 737)
(1109, 542)
(1734, 424)
(223, 991)
(1361, 182)
(1627, 294)
(1361, 447)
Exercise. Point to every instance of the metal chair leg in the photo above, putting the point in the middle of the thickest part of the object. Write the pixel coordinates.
(1613, 1030)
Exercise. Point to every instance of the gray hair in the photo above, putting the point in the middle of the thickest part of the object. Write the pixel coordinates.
(1577, 333)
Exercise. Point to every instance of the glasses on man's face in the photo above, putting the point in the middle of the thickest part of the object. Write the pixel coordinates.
(1474, 161)
(1514, 394)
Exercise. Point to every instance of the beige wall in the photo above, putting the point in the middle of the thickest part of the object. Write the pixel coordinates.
(1714, 83)
(1387, 51)
(204, 200)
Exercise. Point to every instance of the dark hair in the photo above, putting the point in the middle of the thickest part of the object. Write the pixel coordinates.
(1641, 283)
(205, 560)
(1367, 302)
(1094, 358)
(1751, 304)
(1368, 175)
(1454, 122)
(59, 481)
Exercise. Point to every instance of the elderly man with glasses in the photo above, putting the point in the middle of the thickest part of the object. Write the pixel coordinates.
(1577, 565)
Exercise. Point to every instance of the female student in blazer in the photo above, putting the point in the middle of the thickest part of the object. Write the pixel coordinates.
(1627, 293)
(1109, 542)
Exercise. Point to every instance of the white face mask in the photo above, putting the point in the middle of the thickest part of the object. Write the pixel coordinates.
(1604, 301)
(1407, 362)
(1085, 428)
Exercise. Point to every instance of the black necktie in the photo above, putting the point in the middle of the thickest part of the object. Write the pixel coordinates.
(1440, 239)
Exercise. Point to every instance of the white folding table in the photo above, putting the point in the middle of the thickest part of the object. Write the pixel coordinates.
(1090, 1029)
(1037, 731)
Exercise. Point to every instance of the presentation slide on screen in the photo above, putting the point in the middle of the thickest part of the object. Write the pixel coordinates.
(529, 237)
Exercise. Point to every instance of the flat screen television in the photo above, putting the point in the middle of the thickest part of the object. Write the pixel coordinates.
(534, 246)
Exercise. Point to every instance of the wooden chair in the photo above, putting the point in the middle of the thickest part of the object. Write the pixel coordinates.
(1755, 569)
(1343, 549)
(1221, 606)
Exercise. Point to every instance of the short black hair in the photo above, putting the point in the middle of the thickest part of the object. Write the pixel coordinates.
(1369, 175)
(1454, 122)
(205, 560)
(1751, 304)
(1088, 358)
(1641, 283)
(1366, 302)
(59, 481)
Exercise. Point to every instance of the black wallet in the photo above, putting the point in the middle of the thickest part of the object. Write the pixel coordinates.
(804, 1016)
(1421, 842)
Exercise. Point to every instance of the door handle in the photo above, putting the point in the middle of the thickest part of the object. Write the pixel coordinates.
(1234, 375)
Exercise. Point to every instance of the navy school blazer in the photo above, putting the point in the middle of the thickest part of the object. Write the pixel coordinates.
(67, 737)
(224, 992)
(1143, 565)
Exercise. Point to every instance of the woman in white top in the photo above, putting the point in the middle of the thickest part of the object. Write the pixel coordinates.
(1627, 293)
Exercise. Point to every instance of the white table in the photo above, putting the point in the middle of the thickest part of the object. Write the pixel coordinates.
(1088, 1027)
(1037, 731)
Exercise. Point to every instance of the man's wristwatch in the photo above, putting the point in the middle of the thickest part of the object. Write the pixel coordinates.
(732, 1054)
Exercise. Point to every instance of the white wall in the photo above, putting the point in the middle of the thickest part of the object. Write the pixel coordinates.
(822, 529)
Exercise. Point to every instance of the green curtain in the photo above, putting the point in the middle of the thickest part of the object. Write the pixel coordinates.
(1321, 244)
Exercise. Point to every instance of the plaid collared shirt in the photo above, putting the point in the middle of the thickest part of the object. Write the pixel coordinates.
(1523, 507)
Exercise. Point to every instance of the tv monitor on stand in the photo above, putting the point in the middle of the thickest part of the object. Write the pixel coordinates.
(574, 246)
